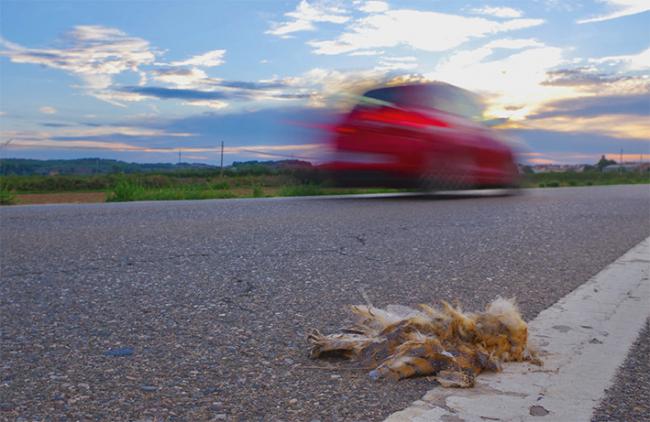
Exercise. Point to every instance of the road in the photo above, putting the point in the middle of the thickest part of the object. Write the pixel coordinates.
(211, 300)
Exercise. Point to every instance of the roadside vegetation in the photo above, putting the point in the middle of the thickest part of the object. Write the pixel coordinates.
(248, 180)
(7, 197)
(586, 178)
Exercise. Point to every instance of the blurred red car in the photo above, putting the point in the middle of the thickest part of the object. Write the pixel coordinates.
(420, 135)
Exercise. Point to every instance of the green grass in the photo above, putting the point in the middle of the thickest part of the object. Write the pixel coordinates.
(127, 190)
(194, 185)
(220, 185)
(171, 194)
(301, 190)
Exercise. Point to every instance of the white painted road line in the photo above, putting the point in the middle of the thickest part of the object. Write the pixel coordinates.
(583, 339)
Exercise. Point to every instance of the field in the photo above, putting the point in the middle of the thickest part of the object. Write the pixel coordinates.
(210, 184)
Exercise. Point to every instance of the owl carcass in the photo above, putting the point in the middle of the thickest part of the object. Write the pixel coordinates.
(453, 346)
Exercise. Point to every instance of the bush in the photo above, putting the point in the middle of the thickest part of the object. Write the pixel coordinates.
(257, 191)
(221, 185)
(7, 197)
(126, 190)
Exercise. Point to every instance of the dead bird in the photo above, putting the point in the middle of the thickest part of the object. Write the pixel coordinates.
(399, 342)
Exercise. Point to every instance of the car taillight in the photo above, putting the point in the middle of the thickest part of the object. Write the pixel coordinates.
(345, 129)
(399, 117)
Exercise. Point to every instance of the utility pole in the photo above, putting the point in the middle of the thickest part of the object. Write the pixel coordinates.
(222, 159)
(179, 156)
(620, 162)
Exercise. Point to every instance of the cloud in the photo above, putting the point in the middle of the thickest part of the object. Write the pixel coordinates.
(581, 76)
(109, 137)
(620, 8)
(215, 93)
(499, 12)
(305, 15)
(416, 29)
(93, 53)
(180, 77)
(209, 59)
(177, 93)
(96, 54)
(620, 126)
(252, 85)
(561, 5)
(367, 53)
(397, 63)
(55, 124)
(513, 82)
(638, 105)
(325, 85)
(374, 6)
(197, 79)
(339, 90)
(47, 110)
(213, 104)
(629, 62)
(302, 151)
(70, 131)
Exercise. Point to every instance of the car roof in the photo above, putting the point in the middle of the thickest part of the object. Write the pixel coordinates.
(438, 95)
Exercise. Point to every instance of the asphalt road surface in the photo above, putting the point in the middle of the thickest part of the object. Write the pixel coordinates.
(199, 310)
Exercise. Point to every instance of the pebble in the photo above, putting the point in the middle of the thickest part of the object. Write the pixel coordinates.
(538, 411)
(148, 388)
(293, 401)
(119, 352)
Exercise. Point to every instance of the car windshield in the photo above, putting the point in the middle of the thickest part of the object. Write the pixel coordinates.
(442, 97)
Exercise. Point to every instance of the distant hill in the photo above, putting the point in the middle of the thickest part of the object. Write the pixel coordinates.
(89, 166)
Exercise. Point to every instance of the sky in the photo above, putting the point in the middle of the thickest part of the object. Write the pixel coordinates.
(142, 80)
